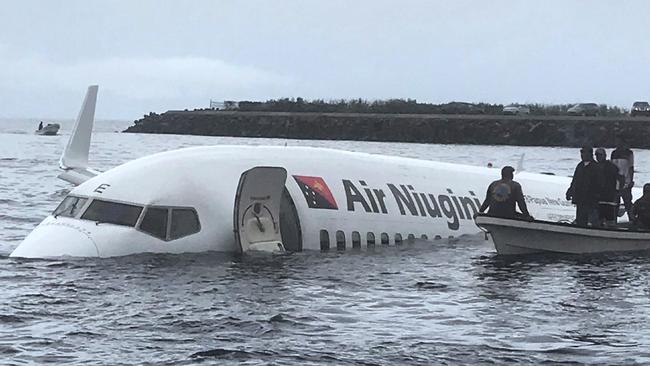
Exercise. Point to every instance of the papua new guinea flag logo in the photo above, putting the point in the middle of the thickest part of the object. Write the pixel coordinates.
(316, 192)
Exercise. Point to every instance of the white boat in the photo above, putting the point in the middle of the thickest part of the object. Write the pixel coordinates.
(514, 236)
(50, 130)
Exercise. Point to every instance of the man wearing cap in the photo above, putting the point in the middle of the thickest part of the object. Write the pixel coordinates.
(503, 194)
(608, 195)
(641, 209)
(585, 188)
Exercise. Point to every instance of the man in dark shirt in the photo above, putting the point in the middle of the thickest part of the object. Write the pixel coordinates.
(503, 194)
(641, 209)
(608, 195)
(585, 188)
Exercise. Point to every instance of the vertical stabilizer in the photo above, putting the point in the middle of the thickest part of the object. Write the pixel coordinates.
(76, 153)
(74, 160)
(520, 163)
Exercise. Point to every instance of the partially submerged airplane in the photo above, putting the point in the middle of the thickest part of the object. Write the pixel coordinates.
(263, 198)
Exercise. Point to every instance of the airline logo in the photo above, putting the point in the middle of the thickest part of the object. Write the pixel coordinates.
(448, 206)
(316, 192)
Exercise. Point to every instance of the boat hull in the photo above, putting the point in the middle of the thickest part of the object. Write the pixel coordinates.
(49, 130)
(515, 237)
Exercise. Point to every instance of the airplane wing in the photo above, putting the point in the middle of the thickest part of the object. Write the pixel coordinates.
(74, 160)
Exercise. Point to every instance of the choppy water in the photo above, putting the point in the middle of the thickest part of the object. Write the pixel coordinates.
(443, 302)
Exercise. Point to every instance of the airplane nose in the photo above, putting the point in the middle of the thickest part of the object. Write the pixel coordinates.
(55, 240)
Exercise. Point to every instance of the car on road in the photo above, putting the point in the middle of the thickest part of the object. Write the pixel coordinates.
(640, 109)
(461, 108)
(584, 109)
(515, 110)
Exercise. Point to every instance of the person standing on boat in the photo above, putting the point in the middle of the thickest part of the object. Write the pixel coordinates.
(40, 126)
(623, 157)
(585, 188)
(641, 209)
(608, 195)
(502, 196)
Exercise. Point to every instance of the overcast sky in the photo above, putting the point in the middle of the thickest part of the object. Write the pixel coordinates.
(159, 55)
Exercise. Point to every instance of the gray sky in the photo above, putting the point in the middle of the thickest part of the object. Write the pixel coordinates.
(159, 55)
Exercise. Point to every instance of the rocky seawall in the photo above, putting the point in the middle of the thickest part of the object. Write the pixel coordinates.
(440, 129)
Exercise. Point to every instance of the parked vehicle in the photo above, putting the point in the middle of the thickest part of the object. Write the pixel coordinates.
(584, 109)
(516, 109)
(461, 108)
(640, 109)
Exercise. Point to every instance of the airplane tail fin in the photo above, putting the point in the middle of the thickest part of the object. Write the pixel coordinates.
(520, 163)
(74, 161)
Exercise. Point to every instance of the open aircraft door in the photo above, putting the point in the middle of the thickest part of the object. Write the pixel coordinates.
(257, 209)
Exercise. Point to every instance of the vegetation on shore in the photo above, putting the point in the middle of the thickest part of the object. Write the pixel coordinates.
(401, 106)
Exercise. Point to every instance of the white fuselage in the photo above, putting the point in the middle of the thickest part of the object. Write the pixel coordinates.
(396, 197)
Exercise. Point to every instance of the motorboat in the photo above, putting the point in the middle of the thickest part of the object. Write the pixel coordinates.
(49, 130)
(518, 236)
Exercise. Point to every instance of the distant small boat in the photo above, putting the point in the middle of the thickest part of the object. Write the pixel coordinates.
(49, 130)
(513, 237)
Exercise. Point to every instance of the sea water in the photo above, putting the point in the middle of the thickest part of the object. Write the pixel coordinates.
(440, 302)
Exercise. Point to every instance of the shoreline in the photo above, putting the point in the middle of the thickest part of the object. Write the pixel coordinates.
(565, 131)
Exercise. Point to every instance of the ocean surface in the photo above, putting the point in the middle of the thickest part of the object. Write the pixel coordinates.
(443, 302)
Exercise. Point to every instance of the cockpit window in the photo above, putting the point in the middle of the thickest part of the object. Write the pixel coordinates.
(155, 222)
(184, 222)
(112, 213)
(70, 206)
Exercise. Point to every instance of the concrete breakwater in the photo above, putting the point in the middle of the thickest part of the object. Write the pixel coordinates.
(440, 129)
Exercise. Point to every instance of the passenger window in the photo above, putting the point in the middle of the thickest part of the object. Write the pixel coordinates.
(398, 239)
(112, 213)
(155, 222)
(370, 239)
(384, 239)
(356, 239)
(438, 237)
(324, 240)
(70, 206)
(340, 240)
(184, 222)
